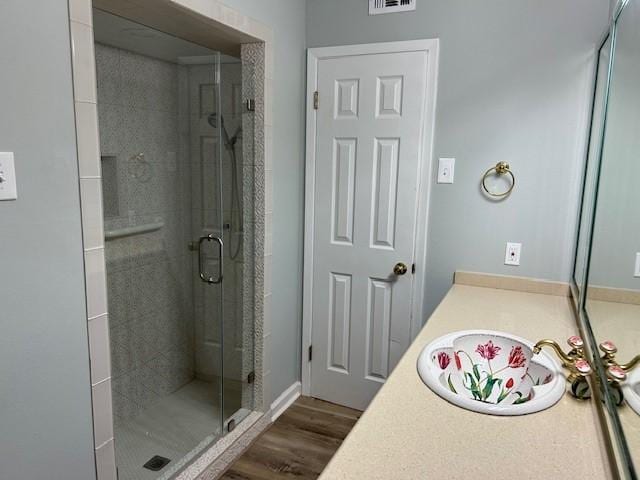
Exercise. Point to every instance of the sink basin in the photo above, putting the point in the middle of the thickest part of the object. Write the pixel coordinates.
(631, 391)
(491, 372)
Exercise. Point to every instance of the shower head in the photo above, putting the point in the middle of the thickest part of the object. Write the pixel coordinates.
(213, 120)
(216, 120)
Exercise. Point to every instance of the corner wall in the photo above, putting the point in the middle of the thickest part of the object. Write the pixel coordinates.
(513, 86)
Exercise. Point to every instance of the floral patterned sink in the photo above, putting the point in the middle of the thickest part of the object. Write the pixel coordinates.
(491, 372)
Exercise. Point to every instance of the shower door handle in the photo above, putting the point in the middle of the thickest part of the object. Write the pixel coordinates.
(204, 276)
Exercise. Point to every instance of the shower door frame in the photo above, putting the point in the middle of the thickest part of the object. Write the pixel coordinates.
(220, 22)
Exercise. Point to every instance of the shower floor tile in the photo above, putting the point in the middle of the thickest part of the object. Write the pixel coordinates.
(171, 428)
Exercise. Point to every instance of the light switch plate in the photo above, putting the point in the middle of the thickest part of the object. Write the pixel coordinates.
(512, 255)
(446, 169)
(636, 272)
(8, 190)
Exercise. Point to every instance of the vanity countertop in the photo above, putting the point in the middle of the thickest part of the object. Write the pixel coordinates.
(408, 432)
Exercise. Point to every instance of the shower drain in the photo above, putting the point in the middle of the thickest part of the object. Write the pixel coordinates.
(156, 463)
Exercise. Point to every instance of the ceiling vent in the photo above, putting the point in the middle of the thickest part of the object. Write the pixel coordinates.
(377, 7)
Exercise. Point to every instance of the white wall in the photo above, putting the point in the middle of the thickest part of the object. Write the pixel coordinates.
(45, 403)
(513, 85)
(287, 20)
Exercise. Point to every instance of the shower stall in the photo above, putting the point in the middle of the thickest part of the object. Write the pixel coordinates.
(176, 140)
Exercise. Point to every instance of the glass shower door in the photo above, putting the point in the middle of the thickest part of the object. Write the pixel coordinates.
(162, 190)
(237, 87)
(208, 272)
(222, 139)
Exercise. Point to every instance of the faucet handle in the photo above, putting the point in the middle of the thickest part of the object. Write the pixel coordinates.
(616, 373)
(575, 341)
(582, 367)
(609, 348)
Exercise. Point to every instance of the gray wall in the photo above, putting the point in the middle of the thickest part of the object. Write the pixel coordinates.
(45, 404)
(513, 82)
(287, 20)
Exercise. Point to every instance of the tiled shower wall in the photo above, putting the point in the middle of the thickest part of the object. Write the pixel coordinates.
(157, 170)
(256, 62)
(142, 109)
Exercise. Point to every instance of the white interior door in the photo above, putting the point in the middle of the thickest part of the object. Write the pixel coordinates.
(367, 165)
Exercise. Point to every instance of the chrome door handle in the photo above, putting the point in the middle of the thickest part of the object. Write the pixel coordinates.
(207, 278)
(400, 268)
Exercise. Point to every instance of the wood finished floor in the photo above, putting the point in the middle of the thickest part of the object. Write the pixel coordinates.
(298, 445)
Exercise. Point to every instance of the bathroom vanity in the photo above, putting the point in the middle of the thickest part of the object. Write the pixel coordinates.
(409, 432)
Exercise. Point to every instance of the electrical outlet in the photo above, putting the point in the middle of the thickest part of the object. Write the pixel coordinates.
(446, 169)
(512, 255)
(636, 272)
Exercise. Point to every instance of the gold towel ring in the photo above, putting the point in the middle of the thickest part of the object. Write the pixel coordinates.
(501, 168)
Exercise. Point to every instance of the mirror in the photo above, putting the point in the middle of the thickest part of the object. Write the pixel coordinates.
(607, 263)
(591, 167)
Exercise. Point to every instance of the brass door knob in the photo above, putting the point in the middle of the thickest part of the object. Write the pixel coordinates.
(400, 268)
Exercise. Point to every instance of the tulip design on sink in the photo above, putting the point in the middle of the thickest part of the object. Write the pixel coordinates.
(490, 368)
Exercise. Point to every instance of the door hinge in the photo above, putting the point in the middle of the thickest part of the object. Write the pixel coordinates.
(413, 268)
(231, 425)
(310, 352)
(250, 105)
(316, 100)
(251, 377)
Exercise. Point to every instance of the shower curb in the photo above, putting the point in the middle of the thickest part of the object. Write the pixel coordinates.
(213, 463)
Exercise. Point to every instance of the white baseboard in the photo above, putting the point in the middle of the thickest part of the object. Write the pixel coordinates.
(285, 400)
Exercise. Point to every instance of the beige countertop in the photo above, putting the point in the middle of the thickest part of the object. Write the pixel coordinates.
(408, 432)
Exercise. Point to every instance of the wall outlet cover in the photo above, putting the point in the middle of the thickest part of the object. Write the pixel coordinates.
(636, 272)
(512, 255)
(446, 170)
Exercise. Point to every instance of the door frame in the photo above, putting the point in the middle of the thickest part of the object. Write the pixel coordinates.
(314, 55)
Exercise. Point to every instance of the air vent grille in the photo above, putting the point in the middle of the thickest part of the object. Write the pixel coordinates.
(377, 7)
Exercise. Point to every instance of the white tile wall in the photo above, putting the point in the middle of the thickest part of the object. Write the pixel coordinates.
(96, 281)
(87, 134)
(84, 65)
(106, 461)
(102, 414)
(80, 11)
(92, 224)
(99, 349)
(84, 85)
